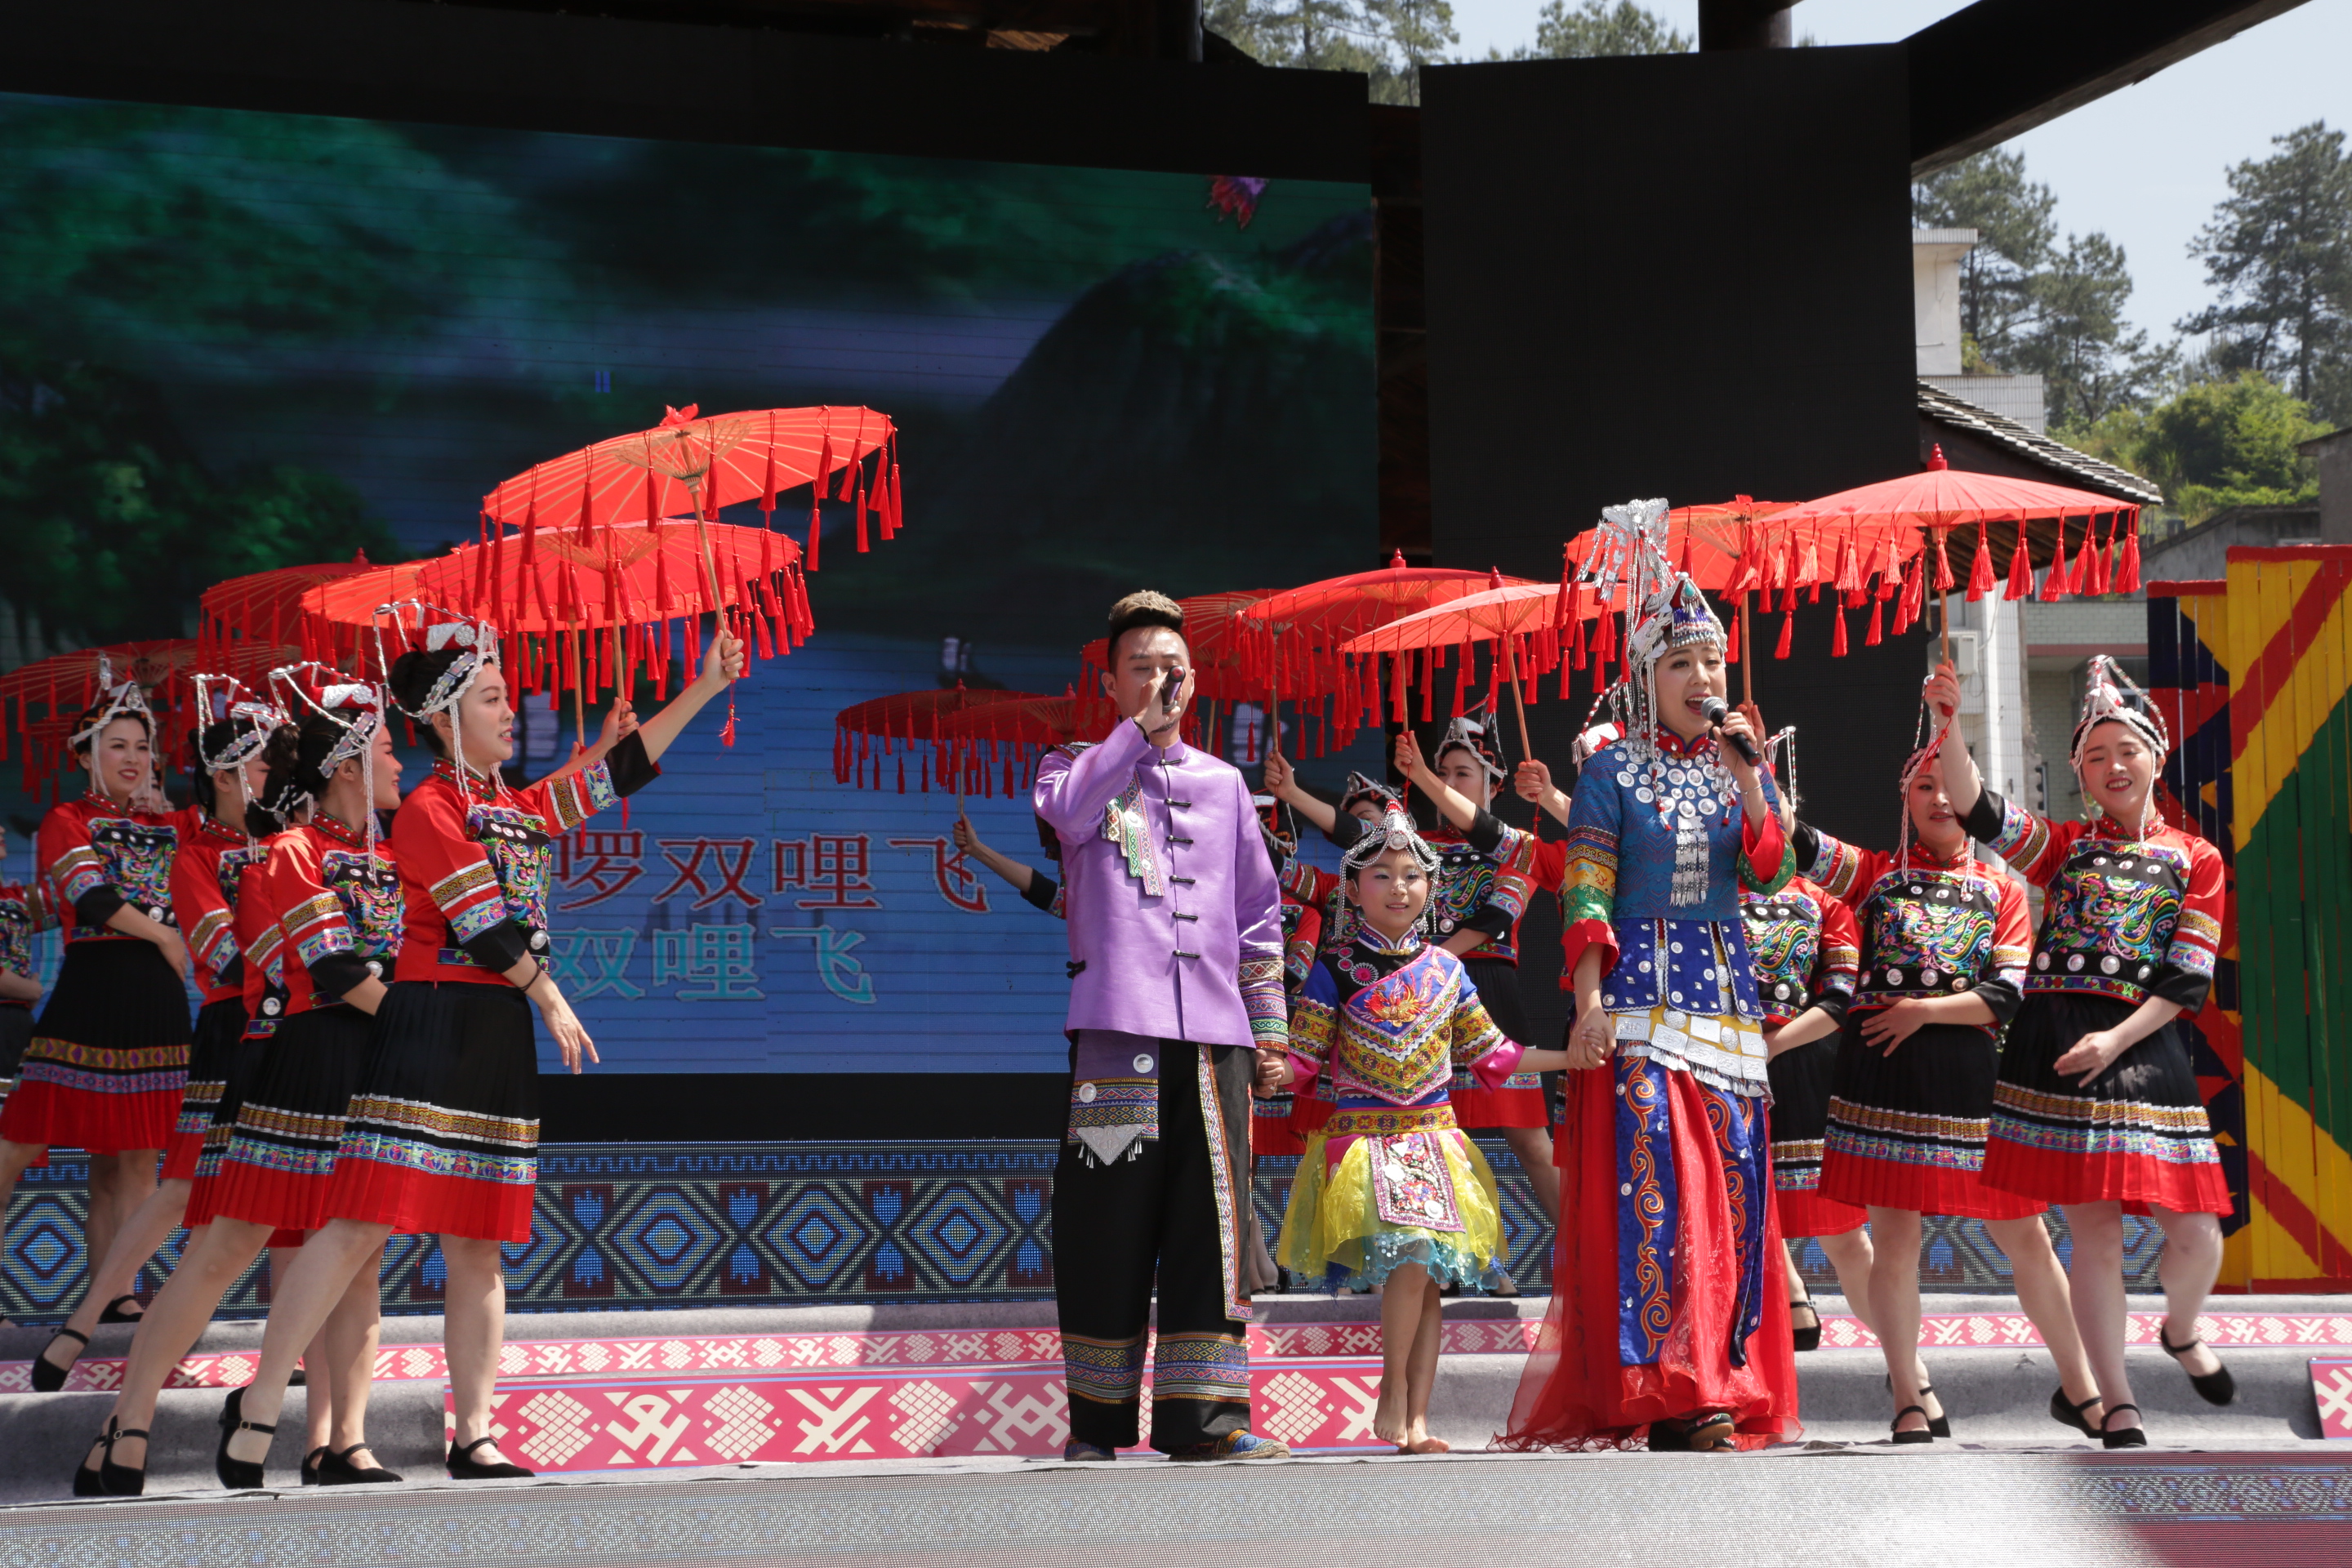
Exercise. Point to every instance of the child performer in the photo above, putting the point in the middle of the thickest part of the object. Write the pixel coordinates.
(1329, 922)
(443, 1128)
(1943, 951)
(1486, 873)
(207, 875)
(109, 1055)
(333, 899)
(1663, 1324)
(2097, 1105)
(1390, 1192)
(1806, 949)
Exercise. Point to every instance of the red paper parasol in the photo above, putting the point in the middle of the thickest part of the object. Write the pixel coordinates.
(580, 615)
(263, 605)
(943, 720)
(335, 615)
(1888, 527)
(1729, 548)
(1520, 617)
(1294, 643)
(64, 684)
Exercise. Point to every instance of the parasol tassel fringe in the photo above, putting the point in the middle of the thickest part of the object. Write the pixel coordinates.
(1787, 633)
(2020, 571)
(1837, 638)
(1944, 581)
(1874, 635)
(2053, 581)
(2127, 568)
(1981, 578)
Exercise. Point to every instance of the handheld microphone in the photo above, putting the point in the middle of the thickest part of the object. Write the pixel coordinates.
(1716, 711)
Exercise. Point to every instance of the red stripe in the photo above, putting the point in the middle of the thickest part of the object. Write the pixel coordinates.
(2296, 1218)
(2272, 670)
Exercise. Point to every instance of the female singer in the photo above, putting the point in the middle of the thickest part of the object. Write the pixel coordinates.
(2097, 1105)
(443, 1128)
(1664, 1322)
(335, 900)
(207, 875)
(1943, 951)
(109, 1056)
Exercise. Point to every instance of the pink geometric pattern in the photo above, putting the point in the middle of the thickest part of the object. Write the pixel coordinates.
(961, 1350)
(2331, 1390)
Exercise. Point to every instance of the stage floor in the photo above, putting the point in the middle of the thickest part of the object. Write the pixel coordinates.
(1826, 1505)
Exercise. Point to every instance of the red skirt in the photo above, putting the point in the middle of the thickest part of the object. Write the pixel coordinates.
(219, 1026)
(1520, 1102)
(1907, 1130)
(1271, 1132)
(1806, 1213)
(280, 1160)
(109, 1056)
(2135, 1135)
(1577, 1393)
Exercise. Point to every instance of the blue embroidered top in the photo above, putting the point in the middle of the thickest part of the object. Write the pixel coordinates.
(1389, 1022)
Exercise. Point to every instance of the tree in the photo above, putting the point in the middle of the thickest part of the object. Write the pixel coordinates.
(1595, 28)
(2214, 445)
(1387, 40)
(2016, 234)
(2279, 254)
(2073, 335)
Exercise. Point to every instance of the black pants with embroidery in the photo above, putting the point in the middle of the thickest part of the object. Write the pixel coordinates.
(1118, 1226)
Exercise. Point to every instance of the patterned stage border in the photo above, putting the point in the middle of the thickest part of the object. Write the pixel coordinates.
(965, 1349)
(636, 1226)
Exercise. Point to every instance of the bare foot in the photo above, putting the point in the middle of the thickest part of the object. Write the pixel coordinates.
(1388, 1417)
(1426, 1445)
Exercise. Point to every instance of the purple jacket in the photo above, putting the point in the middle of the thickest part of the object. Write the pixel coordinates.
(1175, 916)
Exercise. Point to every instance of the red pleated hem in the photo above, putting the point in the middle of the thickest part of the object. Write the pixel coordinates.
(180, 1157)
(1808, 1213)
(1576, 1391)
(260, 1196)
(1478, 1109)
(200, 1201)
(1924, 1189)
(58, 1116)
(416, 1204)
(1308, 1116)
(2134, 1180)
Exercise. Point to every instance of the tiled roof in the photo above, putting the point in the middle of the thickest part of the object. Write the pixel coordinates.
(2067, 465)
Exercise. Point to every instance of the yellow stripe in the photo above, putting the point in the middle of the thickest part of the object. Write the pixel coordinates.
(2311, 1164)
(2314, 687)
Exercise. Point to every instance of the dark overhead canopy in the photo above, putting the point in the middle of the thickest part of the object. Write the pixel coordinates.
(2001, 67)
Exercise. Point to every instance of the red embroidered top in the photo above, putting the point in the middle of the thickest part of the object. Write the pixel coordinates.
(1937, 927)
(97, 856)
(338, 911)
(24, 914)
(208, 875)
(474, 861)
(259, 944)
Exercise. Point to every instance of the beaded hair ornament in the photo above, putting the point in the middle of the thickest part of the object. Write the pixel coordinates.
(124, 698)
(1666, 613)
(353, 707)
(223, 699)
(1360, 787)
(2111, 696)
(428, 628)
(1395, 831)
(1472, 735)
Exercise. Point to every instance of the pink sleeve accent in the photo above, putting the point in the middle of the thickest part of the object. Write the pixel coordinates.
(1498, 1064)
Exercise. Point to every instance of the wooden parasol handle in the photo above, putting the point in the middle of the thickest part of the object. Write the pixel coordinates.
(579, 700)
(1519, 700)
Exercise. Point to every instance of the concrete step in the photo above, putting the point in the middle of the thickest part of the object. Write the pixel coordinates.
(1997, 1394)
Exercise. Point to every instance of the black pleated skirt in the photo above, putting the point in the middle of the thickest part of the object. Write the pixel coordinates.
(1906, 1131)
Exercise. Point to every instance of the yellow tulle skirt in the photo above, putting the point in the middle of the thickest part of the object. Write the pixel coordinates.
(1334, 1229)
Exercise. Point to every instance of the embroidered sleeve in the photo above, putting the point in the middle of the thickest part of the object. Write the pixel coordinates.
(2001, 983)
(1257, 918)
(310, 918)
(1478, 1043)
(1765, 863)
(1588, 891)
(201, 910)
(75, 867)
(2187, 975)
(1512, 853)
(268, 953)
(1837, 867)
(1314, 1024)
(429, 837)
(1838, 963)
(2036, 846)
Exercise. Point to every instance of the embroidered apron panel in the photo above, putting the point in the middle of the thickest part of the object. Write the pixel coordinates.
(1411, 1184)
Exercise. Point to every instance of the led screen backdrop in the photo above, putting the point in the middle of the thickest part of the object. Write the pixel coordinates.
(232, 339)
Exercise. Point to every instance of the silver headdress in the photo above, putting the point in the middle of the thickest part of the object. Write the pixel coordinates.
(1395, 831)
(221, 699)
(1360, 787)
(1470, 734)
(119, 698)
(354, 706)
(435, 629)
(2110, 695)
(1663, 611)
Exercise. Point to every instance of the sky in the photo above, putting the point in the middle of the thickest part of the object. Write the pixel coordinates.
(2146, 165)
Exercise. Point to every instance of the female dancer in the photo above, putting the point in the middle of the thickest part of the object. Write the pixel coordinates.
(109, 1056)
(1486, 874)
(1663, 1321)
(1807, 949)
(1943, 949)
(335, 900)
(2097, 1105)
(207, 875)
(444, 1127)
(1389, 1193)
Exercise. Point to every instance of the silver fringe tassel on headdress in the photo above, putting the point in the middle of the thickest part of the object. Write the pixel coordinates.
(337, 696)
(2110, 695)
(219, 699)
(478, 639)
(1664, 611)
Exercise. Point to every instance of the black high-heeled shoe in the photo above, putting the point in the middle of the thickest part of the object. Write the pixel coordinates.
(337, 1470)
(1806, 1339)
(463, 1467)
(312, 1462)
(2066, 1413)
(2215, 1387)
(122, 1480)
(88, 1482)
(1921, 1435)
(2122, 1436)
(48, 1375)
(113, 1313)
(238, 1474)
